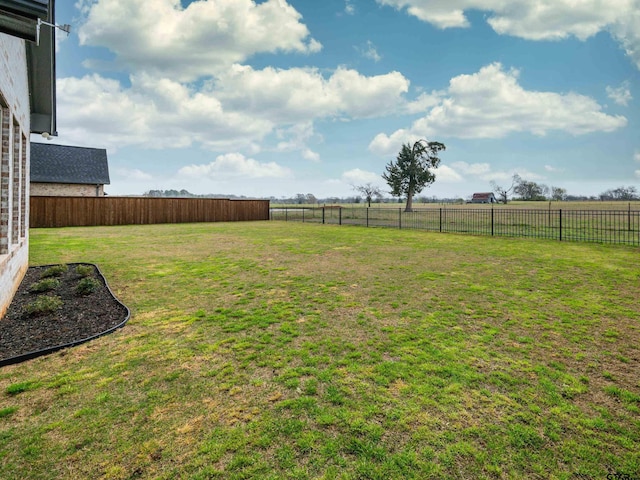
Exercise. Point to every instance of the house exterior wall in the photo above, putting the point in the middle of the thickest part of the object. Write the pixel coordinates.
(66, 190)
(14, 167)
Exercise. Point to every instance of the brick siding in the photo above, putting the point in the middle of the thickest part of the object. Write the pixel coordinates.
(66, 190)
(14, 167)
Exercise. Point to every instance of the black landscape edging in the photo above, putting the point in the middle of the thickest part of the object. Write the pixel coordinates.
(38, 353)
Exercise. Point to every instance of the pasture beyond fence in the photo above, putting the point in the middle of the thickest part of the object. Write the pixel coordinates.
(601, 226)
(94, 211)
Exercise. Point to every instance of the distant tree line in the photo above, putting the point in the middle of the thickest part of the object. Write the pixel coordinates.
(519, 190)
(526, 190)
(186, 194)
(374, 193)
(310, 199)
(621, 193)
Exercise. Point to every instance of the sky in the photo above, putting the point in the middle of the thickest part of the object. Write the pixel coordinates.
(279, 97)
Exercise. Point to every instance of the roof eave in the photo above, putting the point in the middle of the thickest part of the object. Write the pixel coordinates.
(41, 69)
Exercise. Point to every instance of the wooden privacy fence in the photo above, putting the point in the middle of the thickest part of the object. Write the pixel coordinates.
(93, 211)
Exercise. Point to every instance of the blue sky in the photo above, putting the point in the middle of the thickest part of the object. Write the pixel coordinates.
(274, 98)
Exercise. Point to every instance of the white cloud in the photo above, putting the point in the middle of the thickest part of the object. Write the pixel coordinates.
(552, 169)
(636, 156)
(627, 31)
(163, 37)
(310, 155)
(447, 174)
(361, 96)
(295, 138)
(491, 104)
(390, 145)
(473, 168)
(637, 172)
(483, 171)
(369, 51)
(153, 113)
(233, 113)
(538, 19)
(299, 94)
(507, 176)
(349, 7)
(359, 177)
(234, 165)
(234, 107)
(132, 174)
(621, 95)
(423, 102)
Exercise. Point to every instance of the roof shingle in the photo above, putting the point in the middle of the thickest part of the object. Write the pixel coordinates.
(52, 163)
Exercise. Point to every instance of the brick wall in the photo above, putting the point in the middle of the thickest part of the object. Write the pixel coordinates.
(65, 190)
(5, 175)
(14, 167)
(13, 78)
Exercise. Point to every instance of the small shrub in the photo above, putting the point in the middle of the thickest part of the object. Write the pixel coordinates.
(87, 286)
(54, 271)
(43, 304)
(44, 285)
(84, 270)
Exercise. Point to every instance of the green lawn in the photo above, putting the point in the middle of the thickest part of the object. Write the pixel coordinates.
(285, 350)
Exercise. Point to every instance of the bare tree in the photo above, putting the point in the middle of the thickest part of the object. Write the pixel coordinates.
(503, 193)
(368, 190)
(558, 194)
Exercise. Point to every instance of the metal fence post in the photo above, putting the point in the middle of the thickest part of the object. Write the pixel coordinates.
(303, 215)
(440, 220)
(323, 215)
(400, 218)
(286, 214)
(340, 216)
(367, 216)
(560, 214)
(492, 220)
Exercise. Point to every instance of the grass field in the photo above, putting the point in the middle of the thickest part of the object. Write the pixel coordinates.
(284, 350)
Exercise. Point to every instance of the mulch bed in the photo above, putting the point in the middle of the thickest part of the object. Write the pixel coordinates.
(80, 318)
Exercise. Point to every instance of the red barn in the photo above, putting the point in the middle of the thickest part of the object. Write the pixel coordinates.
(484, 198)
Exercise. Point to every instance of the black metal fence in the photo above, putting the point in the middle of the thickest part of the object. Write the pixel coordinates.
(600, 226)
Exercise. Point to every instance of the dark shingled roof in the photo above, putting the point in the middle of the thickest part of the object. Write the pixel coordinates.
(52, 163)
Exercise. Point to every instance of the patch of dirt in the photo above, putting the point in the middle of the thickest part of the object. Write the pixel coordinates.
(79, 318)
